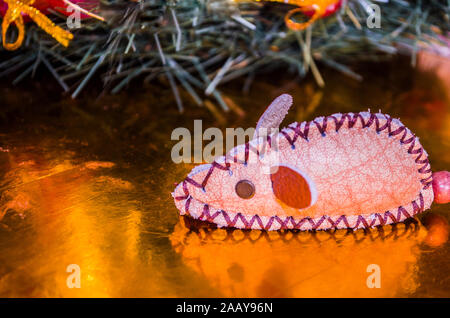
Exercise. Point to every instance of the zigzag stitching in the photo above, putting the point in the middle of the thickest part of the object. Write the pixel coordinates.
(352, 120)
(410, 229)
(361, 221)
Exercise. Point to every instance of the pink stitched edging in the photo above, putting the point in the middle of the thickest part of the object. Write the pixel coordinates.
(380, 122)
(204, 212)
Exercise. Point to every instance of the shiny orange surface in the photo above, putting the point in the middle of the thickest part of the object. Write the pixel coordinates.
(88, 182)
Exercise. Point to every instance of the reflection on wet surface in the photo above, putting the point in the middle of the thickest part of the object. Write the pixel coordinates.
(88, 182)
(302, 264)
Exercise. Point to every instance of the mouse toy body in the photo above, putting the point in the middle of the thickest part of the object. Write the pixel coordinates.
(354, 170)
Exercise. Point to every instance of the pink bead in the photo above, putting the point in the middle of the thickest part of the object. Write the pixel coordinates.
(441, 186)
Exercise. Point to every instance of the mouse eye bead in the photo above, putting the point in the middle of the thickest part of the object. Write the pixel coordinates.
(245, 189)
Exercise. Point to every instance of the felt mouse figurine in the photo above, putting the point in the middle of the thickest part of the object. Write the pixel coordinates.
(354, 170)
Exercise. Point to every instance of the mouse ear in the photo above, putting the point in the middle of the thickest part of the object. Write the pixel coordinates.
(292, 187)
(274, 115)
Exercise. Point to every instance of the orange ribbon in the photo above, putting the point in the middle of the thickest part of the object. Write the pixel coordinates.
(319, 8)
(14, 15)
